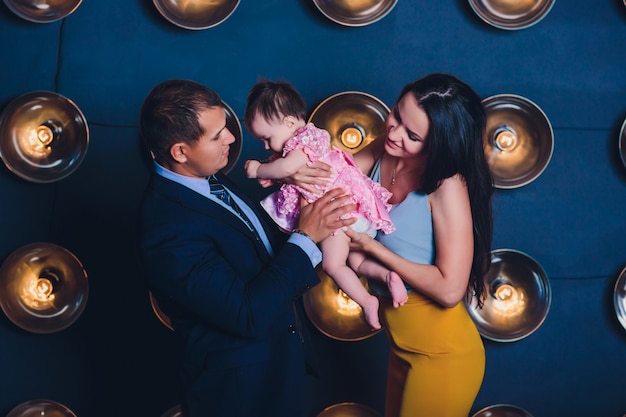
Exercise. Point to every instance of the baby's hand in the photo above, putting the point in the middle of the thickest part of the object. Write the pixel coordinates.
(251, 166)
(265, 182)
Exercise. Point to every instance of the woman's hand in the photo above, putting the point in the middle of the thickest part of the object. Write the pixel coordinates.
(361, 242)
(311, 177)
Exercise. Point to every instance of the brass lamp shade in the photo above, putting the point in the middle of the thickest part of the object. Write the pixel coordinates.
(355, 12)
(619, 298)
(511, 14)
(43, 136)
(42, 11)
(348, 410)
(518, 140)
(233, 124)
(163, 318)
(502, 410)
(41, 408)
(43, 288)
(518, 297)
(196, 14)
(335, 314)
(622, 140)
(352, 118)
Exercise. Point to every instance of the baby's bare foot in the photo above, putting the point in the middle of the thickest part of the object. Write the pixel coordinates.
(396, 289)
(370, 310)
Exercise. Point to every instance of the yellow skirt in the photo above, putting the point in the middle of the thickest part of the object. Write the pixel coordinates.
(437, 359)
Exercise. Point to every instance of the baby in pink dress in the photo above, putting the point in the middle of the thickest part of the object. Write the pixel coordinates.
(371, 199)
(275, 114)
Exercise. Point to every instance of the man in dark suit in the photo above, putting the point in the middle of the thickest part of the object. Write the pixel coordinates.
(228, 288)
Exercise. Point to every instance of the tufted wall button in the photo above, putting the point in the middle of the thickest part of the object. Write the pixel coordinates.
(291, 329)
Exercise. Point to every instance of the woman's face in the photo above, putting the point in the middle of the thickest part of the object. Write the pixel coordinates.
(407, 128)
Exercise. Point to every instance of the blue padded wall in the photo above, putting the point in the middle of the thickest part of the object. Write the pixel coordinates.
(119, 360)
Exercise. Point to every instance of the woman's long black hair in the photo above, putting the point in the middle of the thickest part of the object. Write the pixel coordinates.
(454, 145)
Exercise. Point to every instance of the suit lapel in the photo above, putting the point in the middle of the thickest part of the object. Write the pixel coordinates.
(273, 234)
(207, 207)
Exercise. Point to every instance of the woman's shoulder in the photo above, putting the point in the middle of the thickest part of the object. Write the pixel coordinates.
(452, 191)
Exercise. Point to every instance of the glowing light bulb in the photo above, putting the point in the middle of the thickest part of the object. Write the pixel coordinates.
(38, 293)
(351, 137)
(505, 139)
(505, 292)
(44, 135)
(38, 289)
(347, 306)
(37, 142)
(509, 300)
(43, 289)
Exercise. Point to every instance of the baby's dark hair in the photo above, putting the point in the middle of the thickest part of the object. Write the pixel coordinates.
(273, 99)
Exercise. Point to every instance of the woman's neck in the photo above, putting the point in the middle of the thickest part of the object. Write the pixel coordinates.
(401, 176)
(401, 167)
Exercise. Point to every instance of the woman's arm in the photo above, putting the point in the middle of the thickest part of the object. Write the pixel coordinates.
(279, 168)
(446, 281)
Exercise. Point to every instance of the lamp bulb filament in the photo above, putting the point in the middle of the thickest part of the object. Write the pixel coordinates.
(347, 306)
(506, 139)
(351, 137)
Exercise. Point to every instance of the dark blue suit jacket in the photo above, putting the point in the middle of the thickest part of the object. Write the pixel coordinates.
(230, 303)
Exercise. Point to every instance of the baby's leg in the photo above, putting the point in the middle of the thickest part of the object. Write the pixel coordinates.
(372, 269)
(335, 250)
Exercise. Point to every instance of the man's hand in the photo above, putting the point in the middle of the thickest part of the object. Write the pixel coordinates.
(310, 176)
(321, 218)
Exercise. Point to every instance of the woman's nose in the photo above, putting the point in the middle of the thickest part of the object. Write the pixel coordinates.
(392, 131)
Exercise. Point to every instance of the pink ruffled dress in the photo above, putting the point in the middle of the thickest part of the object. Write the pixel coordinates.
(371, 199)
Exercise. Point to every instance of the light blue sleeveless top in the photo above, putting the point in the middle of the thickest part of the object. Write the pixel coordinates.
(413, 238)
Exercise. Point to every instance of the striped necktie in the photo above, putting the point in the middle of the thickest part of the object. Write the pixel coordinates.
(218, 190)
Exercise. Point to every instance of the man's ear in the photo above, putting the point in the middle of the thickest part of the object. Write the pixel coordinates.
(177, 151)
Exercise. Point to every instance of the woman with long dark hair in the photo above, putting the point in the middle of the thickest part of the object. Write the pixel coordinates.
(432, 160)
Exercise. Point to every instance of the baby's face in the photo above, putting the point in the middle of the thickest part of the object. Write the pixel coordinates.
(274, 133)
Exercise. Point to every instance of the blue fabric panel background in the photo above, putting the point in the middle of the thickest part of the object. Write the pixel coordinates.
(118, 359)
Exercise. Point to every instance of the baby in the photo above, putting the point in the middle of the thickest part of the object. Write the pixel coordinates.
(275, 114)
